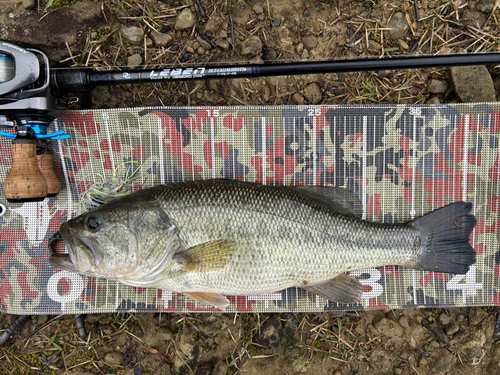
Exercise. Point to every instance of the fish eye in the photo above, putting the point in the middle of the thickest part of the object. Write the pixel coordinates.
(94, 222)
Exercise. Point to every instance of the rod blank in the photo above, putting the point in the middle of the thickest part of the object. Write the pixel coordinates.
(79, 80)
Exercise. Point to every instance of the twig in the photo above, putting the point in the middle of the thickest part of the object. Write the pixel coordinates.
(417, 13)
(200, 9)
(437, 331)
(80, 324)
(170, 3)
(414, 46)
(9, 331)
(205, 37)
(496, 334)
(47, 323)
(49, 361)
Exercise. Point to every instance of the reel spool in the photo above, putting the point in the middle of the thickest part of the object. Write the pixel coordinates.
(27, 106)
(7, 70)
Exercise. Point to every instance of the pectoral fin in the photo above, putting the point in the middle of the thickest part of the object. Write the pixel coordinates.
(205, 257)
(214, 299)
(341, 289)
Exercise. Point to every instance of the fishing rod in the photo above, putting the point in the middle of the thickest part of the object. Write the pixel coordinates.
(32, 94)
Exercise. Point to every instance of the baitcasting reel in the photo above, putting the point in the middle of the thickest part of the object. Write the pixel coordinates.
(27, 106)
(32, 93)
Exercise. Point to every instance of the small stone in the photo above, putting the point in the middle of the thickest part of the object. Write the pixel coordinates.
(205, 368)
(222, 43)
(389, 328)
(149, 42)
(276, 22)
(433, 100)
(220, 368)
(114, 358)
(473, 83)
(441, 361)
(164, 333)
(204, 43)
(185, 57)
(132, 34)
(269, 54)
(251, 46)
(305, 54)
(398, 26)
(372, 45)
(312, 93)
(310, 42)
(473, 355)
(451, 328)
(485, 6)
(258, 9)
(435, 344)
(297, 99)
(161, 40)
(200, 51)
(437, 86)
(29, 4)
(213, 25)
(189, 49)
(134, 60)
(403, 321)
(299, 48)
(444, 319)
(474, 17)
(107, 329)
(185, 20)
(271, 335)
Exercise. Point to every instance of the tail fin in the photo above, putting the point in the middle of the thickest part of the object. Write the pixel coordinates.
(445, 239)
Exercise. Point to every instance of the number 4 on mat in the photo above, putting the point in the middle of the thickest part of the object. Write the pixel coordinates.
(469, 287)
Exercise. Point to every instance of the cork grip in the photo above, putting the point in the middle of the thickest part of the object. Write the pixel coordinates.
(25, 181)
(46, 167)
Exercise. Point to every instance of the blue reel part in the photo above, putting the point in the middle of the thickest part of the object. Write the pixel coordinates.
(40, 132)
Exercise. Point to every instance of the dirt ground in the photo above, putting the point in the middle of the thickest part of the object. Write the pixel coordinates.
(103, 34)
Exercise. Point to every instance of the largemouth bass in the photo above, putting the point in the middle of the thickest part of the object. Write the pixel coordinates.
(215, 238)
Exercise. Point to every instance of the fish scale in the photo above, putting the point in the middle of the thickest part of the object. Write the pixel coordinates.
(308, 242)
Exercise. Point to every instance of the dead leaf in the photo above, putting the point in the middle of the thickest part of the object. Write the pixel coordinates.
(158, 356)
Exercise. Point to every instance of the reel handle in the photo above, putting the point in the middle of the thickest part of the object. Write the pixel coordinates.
(46, 167)
(25, 182)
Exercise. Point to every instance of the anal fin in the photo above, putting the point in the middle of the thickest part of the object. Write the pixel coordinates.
(341, 289)
(214, 299)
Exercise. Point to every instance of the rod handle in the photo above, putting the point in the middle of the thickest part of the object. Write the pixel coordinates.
(65, 81)
(46, 167)
(25, 181)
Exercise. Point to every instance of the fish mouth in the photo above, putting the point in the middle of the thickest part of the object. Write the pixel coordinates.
(63, 260)
(69, 261)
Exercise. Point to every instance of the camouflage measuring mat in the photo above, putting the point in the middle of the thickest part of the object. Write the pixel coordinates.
(401, 161)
